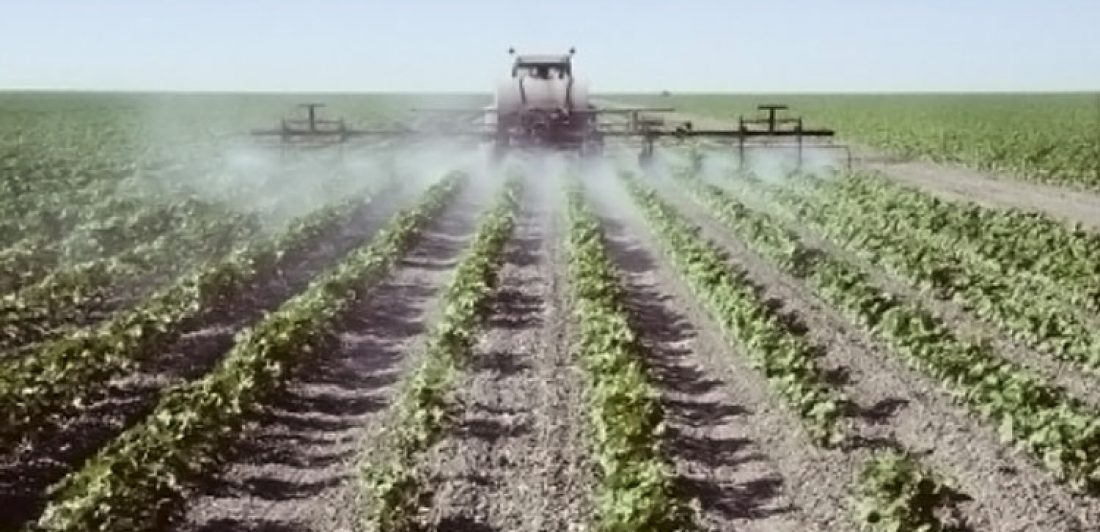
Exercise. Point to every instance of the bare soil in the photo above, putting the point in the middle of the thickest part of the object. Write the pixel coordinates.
(295, 470)
(954, 182)
(517, 459)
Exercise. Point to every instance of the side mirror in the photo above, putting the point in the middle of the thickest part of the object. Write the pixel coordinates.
(511, 51)
(572, 51)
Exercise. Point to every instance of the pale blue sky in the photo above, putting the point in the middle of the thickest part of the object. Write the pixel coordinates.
(642, 45)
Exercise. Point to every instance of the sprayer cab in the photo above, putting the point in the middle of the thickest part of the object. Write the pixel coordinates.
(543, 66)
(542, 105)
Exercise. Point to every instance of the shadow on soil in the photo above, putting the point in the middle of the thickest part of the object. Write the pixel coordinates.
(666, 332)
(512, 308)
(487, 424)
(462, 524)
(881, 412)
(490, 430)
(503, 363)
(303, 429)
(234, 525)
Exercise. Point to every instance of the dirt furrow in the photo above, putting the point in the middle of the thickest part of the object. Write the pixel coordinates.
(715, 428)
(737, 450)
(26, 472)
(893, 405)
(516, 459)
(954, 182)
(296, 469)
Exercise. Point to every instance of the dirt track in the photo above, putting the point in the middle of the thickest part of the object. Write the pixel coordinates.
(954, 182)
(516, 461)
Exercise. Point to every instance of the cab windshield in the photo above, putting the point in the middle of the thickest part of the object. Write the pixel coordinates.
(541, 70)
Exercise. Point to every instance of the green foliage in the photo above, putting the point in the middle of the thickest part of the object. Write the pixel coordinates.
(62, 374)
(877, 222)
(636, 491)
(896, 493)
(1026, 244)
(70, 293)
(1021, 240)
(390, 485)
(789, 363)
(1059, 431)
(132, 483)
(112, 227)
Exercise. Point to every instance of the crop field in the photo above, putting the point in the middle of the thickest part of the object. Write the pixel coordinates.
(202, 332)
(1048, 138)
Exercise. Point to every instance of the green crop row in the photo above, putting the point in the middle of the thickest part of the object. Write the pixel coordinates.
(1027, 243)
(787, 360)
(133, 482)
(61, 374)
(1016, 304)
(635, 490)
(1059, 431)
(895, 492)
(390, 485)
